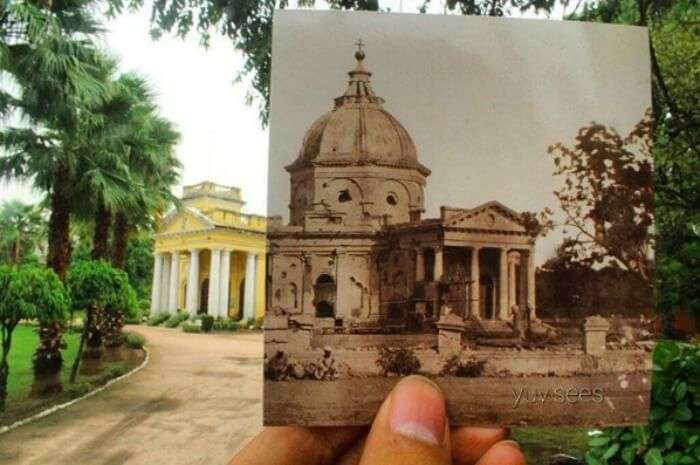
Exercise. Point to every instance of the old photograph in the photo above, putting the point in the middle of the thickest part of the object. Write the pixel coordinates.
(468, 199)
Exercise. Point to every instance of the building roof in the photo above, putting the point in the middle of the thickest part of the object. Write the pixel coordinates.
(358, 131)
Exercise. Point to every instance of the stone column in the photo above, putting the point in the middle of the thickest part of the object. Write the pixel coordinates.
(524, 263)
(214, 280)
(193, 283)
(420, 265)
(157, 280)
(503, 284)
(531, 283)
(174, 283)
(165, 283)
(437, 270)
(595, 330)
(512, 297)
(474, 276)
(249, 291)
(225, 282)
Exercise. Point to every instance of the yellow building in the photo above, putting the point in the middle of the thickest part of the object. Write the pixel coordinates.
(210, 256)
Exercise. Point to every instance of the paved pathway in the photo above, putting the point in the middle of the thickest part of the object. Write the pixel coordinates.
(197, 401)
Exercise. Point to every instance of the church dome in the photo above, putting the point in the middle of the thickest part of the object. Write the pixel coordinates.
(358, 131)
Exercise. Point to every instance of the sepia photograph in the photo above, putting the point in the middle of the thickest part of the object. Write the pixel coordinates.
(441, 211)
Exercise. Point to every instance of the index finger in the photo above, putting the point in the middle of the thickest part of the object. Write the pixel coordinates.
(292, 445)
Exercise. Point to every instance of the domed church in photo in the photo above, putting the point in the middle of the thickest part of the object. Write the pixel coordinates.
(357, 254)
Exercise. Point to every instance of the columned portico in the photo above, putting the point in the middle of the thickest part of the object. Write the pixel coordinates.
(174, 283)
(193, 283)
(438, 266)
(531, 283)
(249, 292)
(420, 265)
(200, 258)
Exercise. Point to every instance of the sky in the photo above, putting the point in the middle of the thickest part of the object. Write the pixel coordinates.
(482, 98)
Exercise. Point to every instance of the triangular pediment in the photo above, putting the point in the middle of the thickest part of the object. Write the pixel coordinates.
(492, 216)
(186, 219)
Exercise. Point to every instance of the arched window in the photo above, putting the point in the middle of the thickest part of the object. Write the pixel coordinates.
(324, 296)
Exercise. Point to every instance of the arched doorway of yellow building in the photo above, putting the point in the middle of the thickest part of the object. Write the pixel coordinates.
(204, 299)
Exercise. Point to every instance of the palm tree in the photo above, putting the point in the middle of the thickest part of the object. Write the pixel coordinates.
(22, 227)
(58, 77)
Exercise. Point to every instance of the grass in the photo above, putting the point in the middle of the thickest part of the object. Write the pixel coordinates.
(24, 343)
(539, 444)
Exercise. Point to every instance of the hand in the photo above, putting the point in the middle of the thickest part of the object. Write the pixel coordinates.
(410, 428)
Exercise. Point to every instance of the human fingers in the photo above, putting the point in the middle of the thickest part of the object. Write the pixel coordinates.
(410, 428)
(503, 453)
(469, 443)
(291, 445)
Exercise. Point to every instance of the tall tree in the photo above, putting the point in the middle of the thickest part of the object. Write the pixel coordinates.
(22, 227)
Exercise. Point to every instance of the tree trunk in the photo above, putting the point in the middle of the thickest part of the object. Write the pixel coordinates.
(48, 361)
(4, 367)
(100, 240)
(83, 336)
(60, 248)
(120, 240)
(94, 349)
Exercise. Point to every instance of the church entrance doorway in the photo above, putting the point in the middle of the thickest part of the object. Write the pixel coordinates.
(486, 296)
(324, 296)
(204, 298)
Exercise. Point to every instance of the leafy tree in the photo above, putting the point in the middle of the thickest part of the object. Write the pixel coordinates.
(26, 292)
(96, 287)
(607, 198)
(22, 227)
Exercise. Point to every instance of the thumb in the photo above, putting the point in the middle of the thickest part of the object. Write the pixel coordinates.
(410, 428)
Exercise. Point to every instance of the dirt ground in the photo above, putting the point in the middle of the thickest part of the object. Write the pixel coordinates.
(474, 401)
(197, 402)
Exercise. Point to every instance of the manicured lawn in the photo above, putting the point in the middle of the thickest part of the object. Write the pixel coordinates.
(539, 444)
(24, 343)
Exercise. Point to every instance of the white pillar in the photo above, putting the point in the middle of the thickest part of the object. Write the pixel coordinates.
(512, 298)
(157, 278)
(437, 270)
(165, 283)
(475, 276)
(193, 283)
(531, 283)
(214, 279)
(420, 265)
(225, 282)
(174, 283)
(249, 291)
(503, 284)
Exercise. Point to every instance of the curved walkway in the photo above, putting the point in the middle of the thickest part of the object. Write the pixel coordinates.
(197, 401)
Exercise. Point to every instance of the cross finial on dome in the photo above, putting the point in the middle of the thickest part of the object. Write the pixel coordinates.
(359, 54)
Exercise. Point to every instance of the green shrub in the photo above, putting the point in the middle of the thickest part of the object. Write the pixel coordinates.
(673, 433)
(157, 319)
(115, 371)
(259, 323)
(470, 368)
(174, 320)
(399, 360)
(207, 323)
(191, 327)
(134, 340)
(79, 389)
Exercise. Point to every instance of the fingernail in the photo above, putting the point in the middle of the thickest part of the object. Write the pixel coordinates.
(417, 410)
(507, 442)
